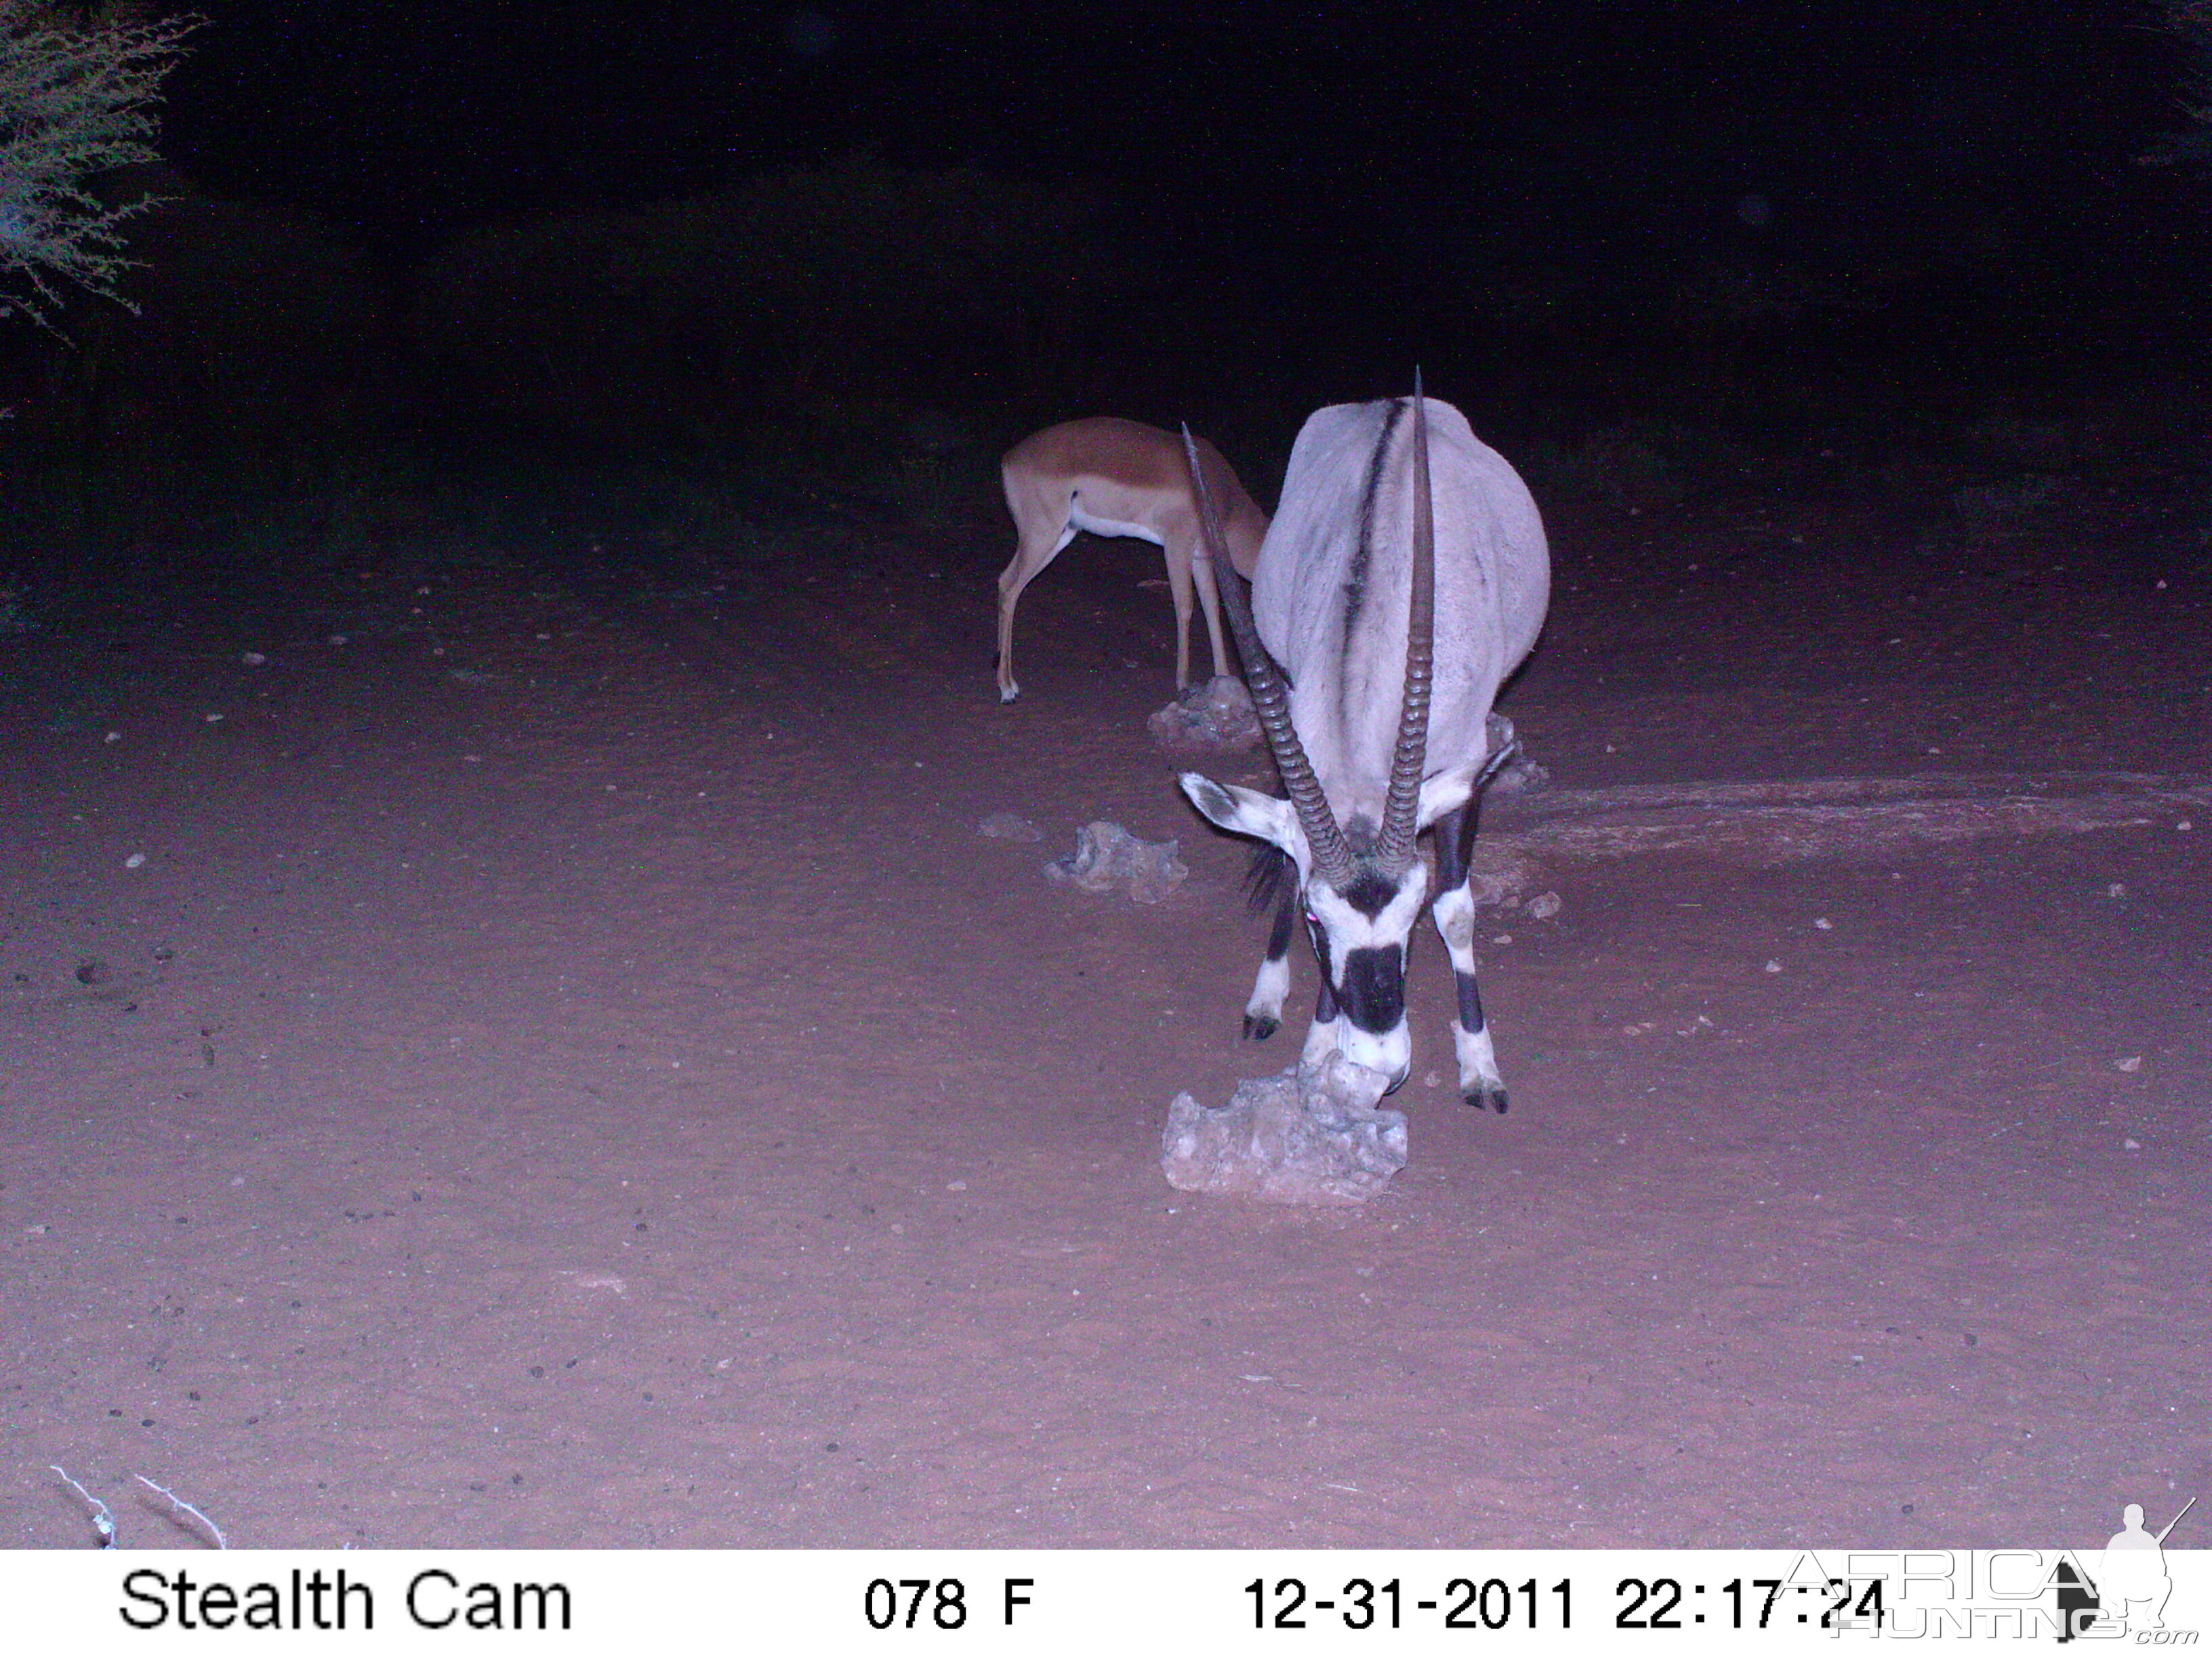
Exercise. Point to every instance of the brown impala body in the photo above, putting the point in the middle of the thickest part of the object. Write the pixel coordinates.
(1405, 576)
(1115, 478)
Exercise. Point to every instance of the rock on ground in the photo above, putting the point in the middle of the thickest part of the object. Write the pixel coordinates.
(1212, 718)
(1108, 857)
(1309, 1135)
(1519, 773)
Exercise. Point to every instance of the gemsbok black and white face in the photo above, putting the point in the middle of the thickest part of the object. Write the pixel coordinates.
(1404, 577)
(1360, 920)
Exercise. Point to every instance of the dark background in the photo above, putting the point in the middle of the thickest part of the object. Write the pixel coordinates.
(864, 239)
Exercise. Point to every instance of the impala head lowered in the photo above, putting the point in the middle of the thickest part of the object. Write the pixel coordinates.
(1362, 883)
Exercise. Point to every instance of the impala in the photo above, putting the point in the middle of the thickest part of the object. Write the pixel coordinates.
(1116, 478)
(1405, 576)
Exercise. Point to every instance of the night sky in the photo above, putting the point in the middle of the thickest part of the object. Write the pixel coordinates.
(1563, 130)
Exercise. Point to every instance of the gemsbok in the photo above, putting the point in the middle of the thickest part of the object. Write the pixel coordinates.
(1114, 477)
(1405, 576)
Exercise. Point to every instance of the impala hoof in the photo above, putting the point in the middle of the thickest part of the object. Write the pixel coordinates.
(1259, 1030)
(1008, 693)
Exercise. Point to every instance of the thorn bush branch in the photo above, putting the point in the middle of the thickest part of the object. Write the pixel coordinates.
(103, 1521)
(192, 1509)
(77, 93)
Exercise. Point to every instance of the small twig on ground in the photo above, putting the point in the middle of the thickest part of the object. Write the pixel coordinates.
(198, 1514)
(103, 1523)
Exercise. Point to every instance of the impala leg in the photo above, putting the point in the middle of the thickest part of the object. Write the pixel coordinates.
(1179, 585)
(1454, 915)
(1209, 598)
(1037, 548)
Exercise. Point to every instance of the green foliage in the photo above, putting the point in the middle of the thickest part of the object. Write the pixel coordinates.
(77, 94)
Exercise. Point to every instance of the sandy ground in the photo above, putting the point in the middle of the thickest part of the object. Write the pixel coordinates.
(567, 1071)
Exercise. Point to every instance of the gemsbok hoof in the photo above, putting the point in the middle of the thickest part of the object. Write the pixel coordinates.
(1487, 1097)
(1259, 1030)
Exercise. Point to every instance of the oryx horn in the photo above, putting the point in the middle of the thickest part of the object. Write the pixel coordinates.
(1271, 695)
(1394, 847)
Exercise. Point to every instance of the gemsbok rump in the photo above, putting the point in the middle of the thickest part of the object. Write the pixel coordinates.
(1404, 577)
(1114, 477)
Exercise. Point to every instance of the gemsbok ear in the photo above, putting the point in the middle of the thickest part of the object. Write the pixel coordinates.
(1244, 811)
(1448, 792)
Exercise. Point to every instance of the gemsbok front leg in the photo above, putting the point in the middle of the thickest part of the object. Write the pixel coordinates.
(1272, 880)
(1323, 1037)
(1453, 912)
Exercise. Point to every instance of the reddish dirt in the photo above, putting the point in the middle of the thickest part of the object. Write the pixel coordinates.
(568, 1073)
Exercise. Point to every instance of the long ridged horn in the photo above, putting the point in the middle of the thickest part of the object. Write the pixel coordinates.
(1271, 695)
(1394, 846)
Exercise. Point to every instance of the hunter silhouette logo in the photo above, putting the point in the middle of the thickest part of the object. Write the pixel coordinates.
(2131, 1585)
